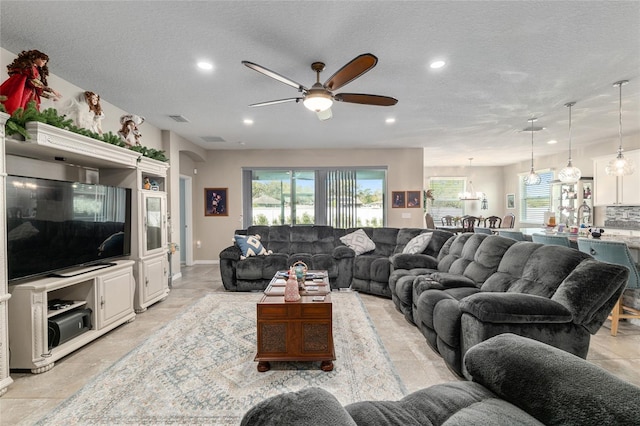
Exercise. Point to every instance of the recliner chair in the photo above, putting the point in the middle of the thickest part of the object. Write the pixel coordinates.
(615, 252)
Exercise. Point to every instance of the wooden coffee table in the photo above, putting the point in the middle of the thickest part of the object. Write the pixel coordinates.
(296, 331)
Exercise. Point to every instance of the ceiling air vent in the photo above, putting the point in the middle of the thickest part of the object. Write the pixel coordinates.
(179, 118)
(212, 139)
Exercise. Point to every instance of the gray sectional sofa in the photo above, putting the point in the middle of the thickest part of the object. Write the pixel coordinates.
(485, 285)
(514, 381)
(320, 248)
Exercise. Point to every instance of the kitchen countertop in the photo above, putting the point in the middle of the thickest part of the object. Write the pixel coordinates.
(632, 242)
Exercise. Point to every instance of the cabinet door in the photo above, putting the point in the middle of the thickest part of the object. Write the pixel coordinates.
(115, 297)
(155, 278)
(606, 187)
(154, 226)
(630, 184)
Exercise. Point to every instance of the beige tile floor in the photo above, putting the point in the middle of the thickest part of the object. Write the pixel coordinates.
(32, 396)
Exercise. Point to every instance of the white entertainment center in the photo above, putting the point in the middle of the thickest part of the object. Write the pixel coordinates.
(96, 300)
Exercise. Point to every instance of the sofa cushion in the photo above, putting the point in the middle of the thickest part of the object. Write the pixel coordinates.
(590, 293)
(554, 386)
(310, 406)
(418, 243)
(456, 403)
(250, 245)
(359, 241)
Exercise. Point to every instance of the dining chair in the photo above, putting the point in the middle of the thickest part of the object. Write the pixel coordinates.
(447, 220)
(615, 252)
(514, 235)
(558, 240)
(482, 230)
(429, 221)
(508, 221)
(493, 222)
(469, 223)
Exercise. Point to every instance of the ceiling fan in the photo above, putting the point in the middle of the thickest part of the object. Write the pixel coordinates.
(320, 97)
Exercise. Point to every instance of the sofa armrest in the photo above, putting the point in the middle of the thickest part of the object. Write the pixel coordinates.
(412, 261)
(514, 308)
(343, 252)
(310, 406)
(232, 253)
(550, 384)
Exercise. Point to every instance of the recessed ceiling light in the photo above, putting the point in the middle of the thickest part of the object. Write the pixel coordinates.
(437, 64)
(203, 65)
(552, 141)
(390, 120)
(248, 121)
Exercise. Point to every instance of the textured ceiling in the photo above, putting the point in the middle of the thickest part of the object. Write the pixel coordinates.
(506, 62)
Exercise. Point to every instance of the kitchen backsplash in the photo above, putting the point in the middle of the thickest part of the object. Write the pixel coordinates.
(625, 217)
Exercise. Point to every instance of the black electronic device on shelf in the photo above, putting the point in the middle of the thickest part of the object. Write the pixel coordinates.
(68, 325)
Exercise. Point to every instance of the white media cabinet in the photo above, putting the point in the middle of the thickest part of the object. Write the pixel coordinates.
(114, 294)
(107, 292)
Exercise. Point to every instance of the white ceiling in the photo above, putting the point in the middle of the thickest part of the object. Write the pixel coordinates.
(506, 62)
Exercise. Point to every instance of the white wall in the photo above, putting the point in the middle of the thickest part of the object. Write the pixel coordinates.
(223, 169)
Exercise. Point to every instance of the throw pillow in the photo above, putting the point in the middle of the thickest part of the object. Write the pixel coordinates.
(359, 241)
(250, 245)
(418, 243)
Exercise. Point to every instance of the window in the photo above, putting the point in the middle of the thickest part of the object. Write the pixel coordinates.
(338, 197)
(535, 200)
(446, 202)
(282, 197)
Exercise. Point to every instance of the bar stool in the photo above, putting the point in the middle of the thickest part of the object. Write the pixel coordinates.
(558, 240)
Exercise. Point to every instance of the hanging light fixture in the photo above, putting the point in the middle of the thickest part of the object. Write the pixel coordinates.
(620, 166)
(470, 194)
(569, 174)
(532, 178)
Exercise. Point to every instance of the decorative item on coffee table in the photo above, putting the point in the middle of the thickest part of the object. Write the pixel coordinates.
(301, 271)
(291, 290)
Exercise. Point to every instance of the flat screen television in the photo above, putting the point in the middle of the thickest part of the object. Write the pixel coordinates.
(55, 225)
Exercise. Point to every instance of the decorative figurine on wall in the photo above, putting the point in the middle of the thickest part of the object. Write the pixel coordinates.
(129, 132)
(147, 183)
(85, 111)
(27, 81)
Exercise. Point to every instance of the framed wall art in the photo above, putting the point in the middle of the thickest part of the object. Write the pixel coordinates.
(215, 202)
(511, 201)
(398, 200)
(413, 199)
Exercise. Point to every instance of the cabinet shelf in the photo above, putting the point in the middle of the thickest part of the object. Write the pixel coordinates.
(55, 312)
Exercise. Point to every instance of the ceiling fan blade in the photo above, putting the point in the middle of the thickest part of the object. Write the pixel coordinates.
(274, 75)
(324, 115)
(360, 98)
(352, 70)
(279, 101)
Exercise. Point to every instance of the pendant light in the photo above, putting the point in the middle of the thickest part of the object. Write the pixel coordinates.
(532, 178)
(620, 166)
(470, 194)
(569, 174)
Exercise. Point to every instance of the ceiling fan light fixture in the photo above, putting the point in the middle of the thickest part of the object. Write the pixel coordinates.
(318, 99)
(569, 174)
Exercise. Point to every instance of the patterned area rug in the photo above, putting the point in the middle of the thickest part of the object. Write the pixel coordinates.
(199, 369)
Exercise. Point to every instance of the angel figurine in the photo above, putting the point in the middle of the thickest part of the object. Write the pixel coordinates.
(85, 111)
(27, 81)
(129, 132)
